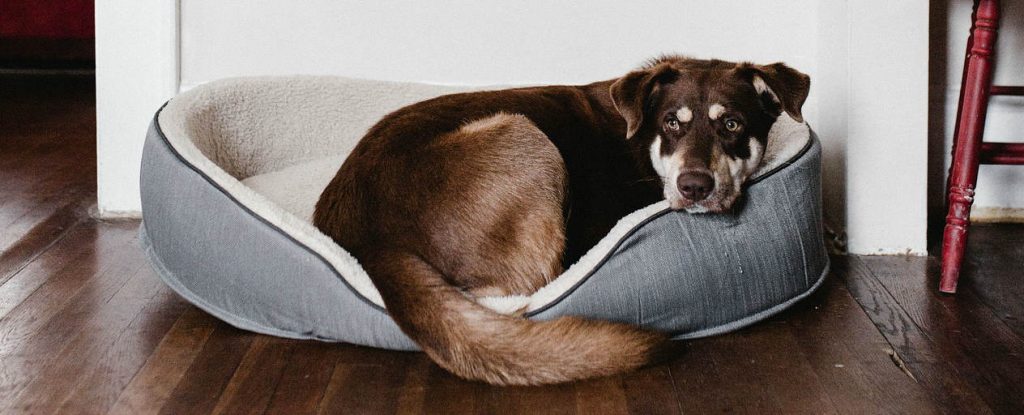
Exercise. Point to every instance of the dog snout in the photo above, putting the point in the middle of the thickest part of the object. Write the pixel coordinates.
(695, 186)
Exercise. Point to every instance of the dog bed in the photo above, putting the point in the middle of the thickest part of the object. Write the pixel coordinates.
(232, 169)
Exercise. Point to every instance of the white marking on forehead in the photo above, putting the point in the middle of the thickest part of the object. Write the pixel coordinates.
(715, 110)
(684, 114)
(761, 87)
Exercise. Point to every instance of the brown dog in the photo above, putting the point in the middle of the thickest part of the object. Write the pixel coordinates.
(494, 193)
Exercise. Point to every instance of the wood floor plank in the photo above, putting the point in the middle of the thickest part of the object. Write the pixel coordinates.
(366, 381)
(700, 386)
(993, 269)
(38, 292)
(413, 399)
(967, 324)
(930, 365)
(335, 385)
(443, 393)
(605, 395)
(249, 391)
(552, 399)
(651, 391)
(43, 236)
(151, 386)
(69, 300)
(966, 339)
(853, 361)
(57, 267)
(111, 344)
(43, 200)
(364, 388)
(757, 370)
(200, 387)
(124, 355)
(305, 378)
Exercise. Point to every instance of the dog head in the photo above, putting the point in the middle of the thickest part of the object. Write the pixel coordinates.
(706, 122)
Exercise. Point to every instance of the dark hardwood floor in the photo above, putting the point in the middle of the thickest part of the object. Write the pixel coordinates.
(86, 327)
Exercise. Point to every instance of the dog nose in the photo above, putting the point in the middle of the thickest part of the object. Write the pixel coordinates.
(695, 186)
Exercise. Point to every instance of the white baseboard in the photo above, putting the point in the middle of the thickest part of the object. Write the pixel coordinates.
(107, 214)
(983, 214)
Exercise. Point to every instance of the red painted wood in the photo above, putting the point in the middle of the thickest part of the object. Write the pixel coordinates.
(1002, 153)
(967, 136)
(1006, 90)
(960, 106)
(35, 19)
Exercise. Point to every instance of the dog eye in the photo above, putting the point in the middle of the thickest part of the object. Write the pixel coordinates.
(672, 124)
(732, 125)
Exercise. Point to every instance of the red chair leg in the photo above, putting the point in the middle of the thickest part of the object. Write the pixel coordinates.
(968, 135)
(960, 103)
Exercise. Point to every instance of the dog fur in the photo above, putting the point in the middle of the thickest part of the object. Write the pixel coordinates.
(494, 193)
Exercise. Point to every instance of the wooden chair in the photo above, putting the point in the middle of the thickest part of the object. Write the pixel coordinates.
(968, 148)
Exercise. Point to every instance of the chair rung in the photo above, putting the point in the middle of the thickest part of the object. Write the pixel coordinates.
(1001, 153)
(1006, 90)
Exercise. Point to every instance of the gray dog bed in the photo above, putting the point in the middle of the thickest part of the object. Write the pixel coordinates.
(232, 169)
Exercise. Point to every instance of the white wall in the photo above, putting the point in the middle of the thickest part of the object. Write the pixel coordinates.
(501, 42)
(136, 71)
(1000, 190)
(887, 126)
(480, 42)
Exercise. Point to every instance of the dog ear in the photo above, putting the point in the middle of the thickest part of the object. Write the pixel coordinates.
(631, 93)
(786, 85)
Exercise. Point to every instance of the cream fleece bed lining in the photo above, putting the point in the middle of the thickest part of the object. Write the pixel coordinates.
(270, 158)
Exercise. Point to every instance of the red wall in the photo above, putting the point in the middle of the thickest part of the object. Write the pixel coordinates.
(47, 18)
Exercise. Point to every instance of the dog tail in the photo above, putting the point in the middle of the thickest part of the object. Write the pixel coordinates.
(477, 343)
